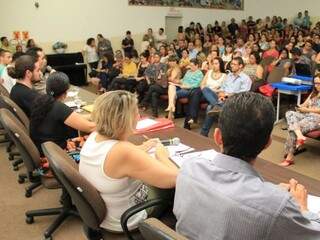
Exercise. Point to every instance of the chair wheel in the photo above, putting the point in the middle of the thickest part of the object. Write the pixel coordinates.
(15, 168)
(29, 220)
(21, 180)
(28, 193)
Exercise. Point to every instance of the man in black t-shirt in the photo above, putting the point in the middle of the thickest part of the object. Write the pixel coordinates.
(127, 43)
(26, 71)
(251, 24)
(233, 27)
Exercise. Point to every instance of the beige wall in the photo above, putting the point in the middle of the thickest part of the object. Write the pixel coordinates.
(73, 21)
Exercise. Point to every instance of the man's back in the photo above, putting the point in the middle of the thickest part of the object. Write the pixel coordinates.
(23, 96)
(230, 200)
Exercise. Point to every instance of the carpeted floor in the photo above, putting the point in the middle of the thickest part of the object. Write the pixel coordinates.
(13, 203)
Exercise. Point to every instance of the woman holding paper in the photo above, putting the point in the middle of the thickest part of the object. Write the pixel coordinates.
(119, 169)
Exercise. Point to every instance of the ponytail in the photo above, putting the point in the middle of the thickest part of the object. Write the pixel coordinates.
(41, 106)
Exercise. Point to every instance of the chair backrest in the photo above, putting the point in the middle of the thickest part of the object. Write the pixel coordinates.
(276, 75)
(4, 91)
(7, 103)
(18, 134)
(153, 229)
(85, 197)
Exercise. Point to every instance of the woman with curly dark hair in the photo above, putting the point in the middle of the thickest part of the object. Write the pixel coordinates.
(51, 119)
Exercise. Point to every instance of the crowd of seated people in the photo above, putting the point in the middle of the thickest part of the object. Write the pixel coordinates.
(221, 65)
(259, 45)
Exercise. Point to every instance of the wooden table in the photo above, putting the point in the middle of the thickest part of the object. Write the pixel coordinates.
(268, 170)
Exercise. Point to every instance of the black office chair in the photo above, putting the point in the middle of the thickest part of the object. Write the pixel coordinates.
(153, 229)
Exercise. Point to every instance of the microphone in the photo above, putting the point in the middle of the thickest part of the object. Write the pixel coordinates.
(171, 141)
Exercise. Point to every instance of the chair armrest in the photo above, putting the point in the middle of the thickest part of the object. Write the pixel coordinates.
(152, 228)
(138, 208)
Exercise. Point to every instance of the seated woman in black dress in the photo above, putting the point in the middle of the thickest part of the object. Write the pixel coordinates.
(51, 119)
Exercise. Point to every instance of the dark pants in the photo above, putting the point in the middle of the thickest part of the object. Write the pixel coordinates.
(192, 109)
(123, 83)
(141, 88)
(93, 65)
(104, 79)
(212, 98)
(153, 95)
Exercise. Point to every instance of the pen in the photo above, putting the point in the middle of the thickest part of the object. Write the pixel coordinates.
(145, 137)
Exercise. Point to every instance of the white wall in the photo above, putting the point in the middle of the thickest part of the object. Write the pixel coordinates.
(76, 20)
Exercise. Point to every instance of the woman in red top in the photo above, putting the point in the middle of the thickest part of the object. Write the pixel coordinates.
(272, 51)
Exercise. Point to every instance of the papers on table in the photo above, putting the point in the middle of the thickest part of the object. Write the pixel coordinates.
(88, 108)
(72, 94)
(174, 150)
(70, 104)
(145, 123)
(180, 158)
(314, 204)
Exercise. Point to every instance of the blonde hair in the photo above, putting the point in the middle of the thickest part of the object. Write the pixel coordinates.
(115, 113)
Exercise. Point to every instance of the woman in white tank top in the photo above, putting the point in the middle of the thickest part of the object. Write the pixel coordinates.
(213, 81)
(117, 168)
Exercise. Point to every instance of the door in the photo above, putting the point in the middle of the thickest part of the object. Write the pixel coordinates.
(172, 24)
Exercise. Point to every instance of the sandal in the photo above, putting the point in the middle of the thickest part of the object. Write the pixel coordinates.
(286, 163)
(300, 142)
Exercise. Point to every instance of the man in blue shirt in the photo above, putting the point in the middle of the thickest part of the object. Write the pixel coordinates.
(192, 51)
(222, 196)
(236, 82)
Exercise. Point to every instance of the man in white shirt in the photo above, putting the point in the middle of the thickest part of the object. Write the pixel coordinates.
(5, 79)
(160, 38)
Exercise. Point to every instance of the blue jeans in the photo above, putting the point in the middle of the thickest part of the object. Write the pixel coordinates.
(210, 96)
(208, 121)
(182, 93)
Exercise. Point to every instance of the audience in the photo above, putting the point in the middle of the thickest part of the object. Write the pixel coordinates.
(126, 80)
(119, 169)
(229, 199)
(305, 119)
(142, 83)
(215, 65)
(5, 62)
(5, 45)
(158, 84)
(90, 51)
(128, 43)
(30, 44)
(104, 46)
(255, 71)
(160, 38)
(51, 119)
(235, 82)
(174, 80)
